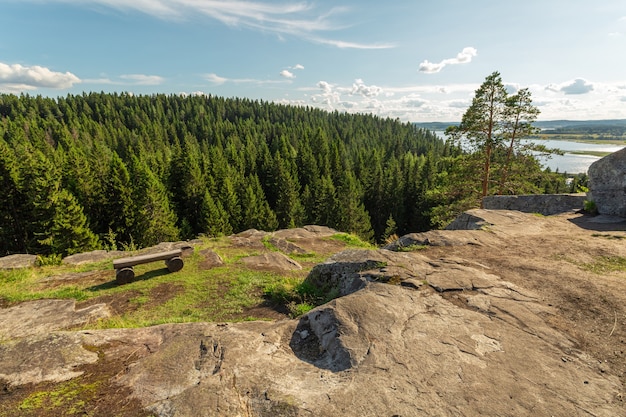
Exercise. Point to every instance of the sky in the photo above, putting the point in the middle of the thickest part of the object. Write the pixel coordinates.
(414, 60)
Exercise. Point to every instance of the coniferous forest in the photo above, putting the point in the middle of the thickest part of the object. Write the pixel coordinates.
(116, 170)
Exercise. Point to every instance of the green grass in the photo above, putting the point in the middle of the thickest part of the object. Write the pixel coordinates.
(606, 264)
(70, 393)
(196, 294)
(412, 248)
(352, 241)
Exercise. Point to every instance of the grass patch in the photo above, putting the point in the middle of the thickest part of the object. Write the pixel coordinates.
(352, 240)
(606, 264)
(72, 395)
(190, 295)
(610, 237)
(411, 248)
(298, 295)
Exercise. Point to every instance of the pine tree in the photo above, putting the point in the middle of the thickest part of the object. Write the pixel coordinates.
(215, 218)
(12, 203)
(155, 220)
(69, 231)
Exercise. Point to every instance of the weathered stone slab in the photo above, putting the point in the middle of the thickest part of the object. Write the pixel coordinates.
(18, 261)
(546, 204)
(42, 316)
(273, 261)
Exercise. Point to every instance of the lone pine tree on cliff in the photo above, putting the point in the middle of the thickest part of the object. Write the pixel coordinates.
(493, 127)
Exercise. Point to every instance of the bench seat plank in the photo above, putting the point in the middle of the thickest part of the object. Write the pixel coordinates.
(142, 259)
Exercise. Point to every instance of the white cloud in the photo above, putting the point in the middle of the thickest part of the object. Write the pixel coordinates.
(142, 79)
(325, 87)
(287, 74)
(298, 67)
(217, 80)
(301, 19)
(16, 77)
(353, 45)
(577, 86)
(359, 88)
(463, 57)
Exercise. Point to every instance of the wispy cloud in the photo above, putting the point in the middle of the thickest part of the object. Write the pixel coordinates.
(142, 79)
(16, 77)
(217, 80)
(127, 79)
(300, 19)
(353, 45)
(463, 57)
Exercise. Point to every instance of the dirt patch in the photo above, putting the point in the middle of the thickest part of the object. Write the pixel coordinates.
(81, 279)
(122, 303)
(265, 311)
(162, 293)
(119, 303)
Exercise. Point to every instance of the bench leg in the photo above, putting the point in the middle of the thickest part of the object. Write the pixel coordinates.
(124, 275)
(174, 264)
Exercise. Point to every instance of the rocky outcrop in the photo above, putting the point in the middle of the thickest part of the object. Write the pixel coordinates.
(414, 352)
(607, 184)
(413, 332)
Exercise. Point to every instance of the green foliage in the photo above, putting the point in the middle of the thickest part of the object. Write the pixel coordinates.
(352, 240)
(590, 207)
(135, 170)
(49, 260)
(299, 296)
(492, 129)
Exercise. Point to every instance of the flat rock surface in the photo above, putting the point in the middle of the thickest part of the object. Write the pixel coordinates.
(17, 261)
(516, 325)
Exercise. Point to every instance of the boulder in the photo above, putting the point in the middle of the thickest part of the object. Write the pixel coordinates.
(18, 261)
(607, 184)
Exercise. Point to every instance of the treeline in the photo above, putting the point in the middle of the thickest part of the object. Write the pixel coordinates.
(111, 170)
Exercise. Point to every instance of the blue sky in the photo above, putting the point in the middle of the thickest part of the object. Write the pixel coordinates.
(413, 60)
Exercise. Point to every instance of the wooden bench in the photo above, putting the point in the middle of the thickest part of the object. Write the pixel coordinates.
(124, 266)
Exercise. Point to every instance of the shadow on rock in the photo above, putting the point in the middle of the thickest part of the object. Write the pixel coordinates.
(316, 341)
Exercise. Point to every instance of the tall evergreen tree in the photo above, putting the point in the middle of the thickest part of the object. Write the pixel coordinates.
(155, 220)
(69, 231)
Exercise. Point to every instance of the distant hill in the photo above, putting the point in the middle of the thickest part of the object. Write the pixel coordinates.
(612, 127)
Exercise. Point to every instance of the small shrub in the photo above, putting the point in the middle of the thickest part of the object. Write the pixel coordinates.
(351, 240)
(590, 207)
(49, 260)
(297, 310)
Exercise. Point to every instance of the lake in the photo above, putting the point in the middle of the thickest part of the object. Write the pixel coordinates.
(570, 163)
(574, 163)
